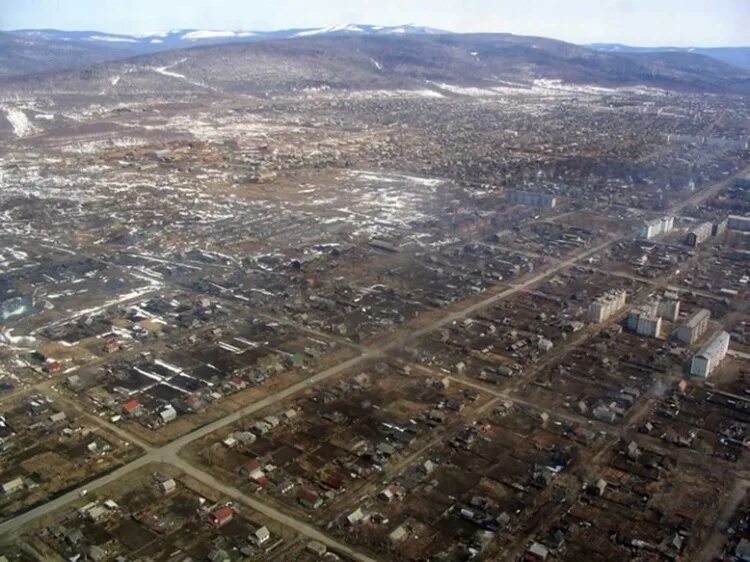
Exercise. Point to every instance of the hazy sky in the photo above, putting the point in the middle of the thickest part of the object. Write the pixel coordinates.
(637, 22)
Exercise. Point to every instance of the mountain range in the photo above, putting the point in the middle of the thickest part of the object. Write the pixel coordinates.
(25, 51)
(346, 57)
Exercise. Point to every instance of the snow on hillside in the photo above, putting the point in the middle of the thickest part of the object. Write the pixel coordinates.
(21, 125)
(112, 39)
(215, 34)
(332, 29)
(193, 36)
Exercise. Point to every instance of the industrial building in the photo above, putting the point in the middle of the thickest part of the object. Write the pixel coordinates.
(695, 327)
(606, 305)
(738, 222)
(699, 234)
(533, 199)
(656, 227)
(710, 356)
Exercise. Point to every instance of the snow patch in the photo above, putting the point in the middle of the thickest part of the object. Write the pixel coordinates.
(163, 70)
(471, 91)
(394, 177)
(22, 127)
(215, 34)
(112, 39)
(153, 34)
(375, 94)
(331, 29)
(7, 339)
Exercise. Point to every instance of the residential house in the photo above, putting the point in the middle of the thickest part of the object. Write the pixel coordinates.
(168, 414)
(131, 408)
(167, 486)
(427, 467)
(12, 486)
(221, 516)
(260, 536)
(310, 499)
(57, 417)
(316, 548)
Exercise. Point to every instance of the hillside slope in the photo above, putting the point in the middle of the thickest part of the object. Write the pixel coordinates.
(30, 54)
(403, 61)
(737, 56)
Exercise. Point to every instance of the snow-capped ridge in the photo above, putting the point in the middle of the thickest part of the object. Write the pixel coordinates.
(348, 27)
(215, 34)
(113, 38)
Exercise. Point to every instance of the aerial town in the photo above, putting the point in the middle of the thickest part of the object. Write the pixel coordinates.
(351, 322)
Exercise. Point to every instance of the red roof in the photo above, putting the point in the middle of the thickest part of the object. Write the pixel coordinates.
(130, 406)
(221, 515)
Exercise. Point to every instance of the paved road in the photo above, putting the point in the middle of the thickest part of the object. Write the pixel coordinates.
(169, 452)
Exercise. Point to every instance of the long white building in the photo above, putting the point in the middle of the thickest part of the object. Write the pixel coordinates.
(709, 356)
(695, 327)
(656, 227)
(606, 305)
